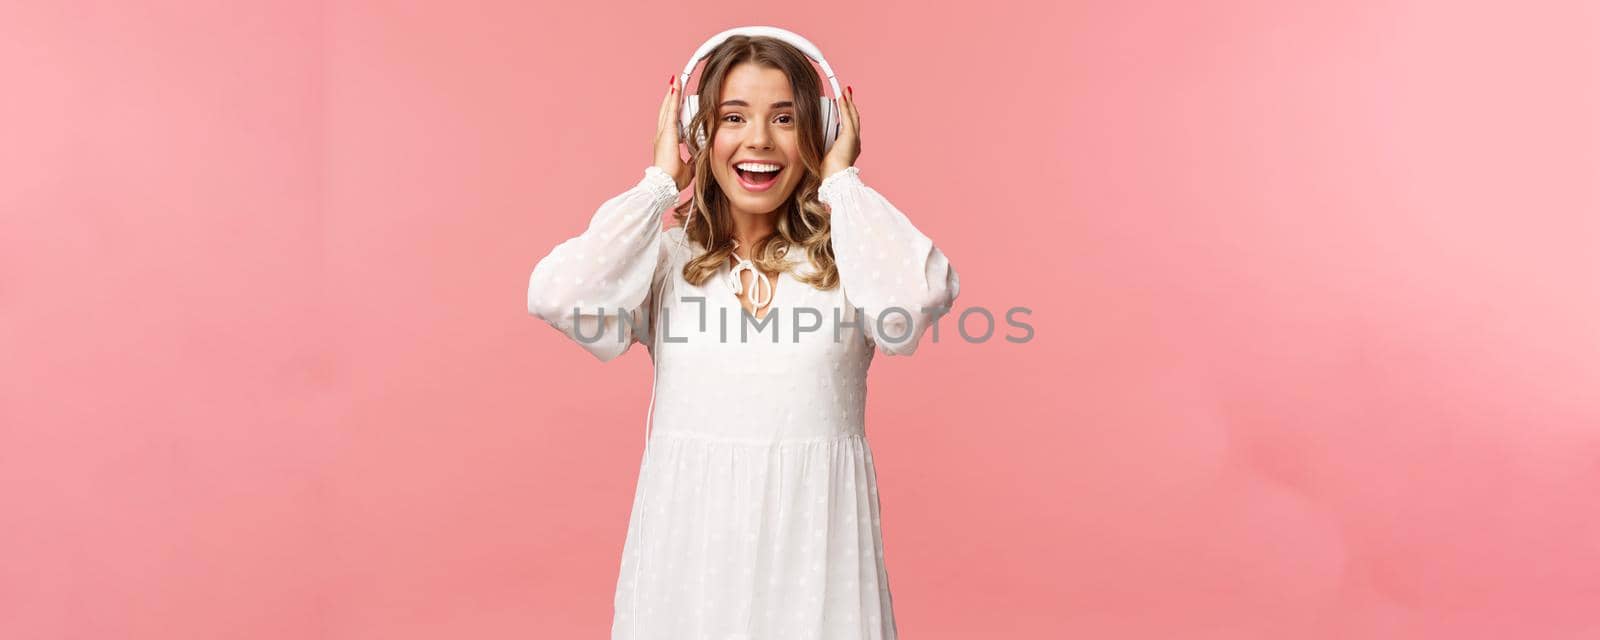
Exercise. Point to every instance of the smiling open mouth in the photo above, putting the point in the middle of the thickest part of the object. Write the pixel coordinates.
(757, 176)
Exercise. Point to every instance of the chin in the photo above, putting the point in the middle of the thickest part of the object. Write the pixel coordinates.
(762, 206)
(766, 202)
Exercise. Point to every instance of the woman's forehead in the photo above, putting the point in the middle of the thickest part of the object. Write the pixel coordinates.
(757, 86)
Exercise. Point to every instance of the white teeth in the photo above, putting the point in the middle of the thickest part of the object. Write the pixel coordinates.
(756, 166)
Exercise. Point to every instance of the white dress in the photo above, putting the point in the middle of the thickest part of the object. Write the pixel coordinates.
(756, 513)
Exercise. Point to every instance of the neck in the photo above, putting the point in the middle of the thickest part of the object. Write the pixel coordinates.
(751, 228)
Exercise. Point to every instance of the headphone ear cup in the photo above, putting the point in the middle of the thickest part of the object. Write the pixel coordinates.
(691, 105)
(830, 124)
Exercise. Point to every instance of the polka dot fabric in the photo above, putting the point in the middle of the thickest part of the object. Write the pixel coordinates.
(756, 515)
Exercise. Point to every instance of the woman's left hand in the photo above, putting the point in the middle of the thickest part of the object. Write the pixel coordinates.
(847, 147)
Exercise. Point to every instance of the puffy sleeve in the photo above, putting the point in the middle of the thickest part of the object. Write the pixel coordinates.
(613, 266)
(885, 262)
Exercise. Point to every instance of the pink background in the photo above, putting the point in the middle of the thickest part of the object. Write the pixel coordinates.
(1315, 289)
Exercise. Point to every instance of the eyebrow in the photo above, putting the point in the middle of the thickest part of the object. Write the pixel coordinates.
(741, 103)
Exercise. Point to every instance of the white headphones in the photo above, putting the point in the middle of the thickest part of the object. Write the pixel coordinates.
(691, 102)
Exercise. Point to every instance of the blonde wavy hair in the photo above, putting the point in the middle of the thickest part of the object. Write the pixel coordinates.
(803, 220)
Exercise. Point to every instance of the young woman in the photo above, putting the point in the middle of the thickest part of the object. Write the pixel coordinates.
(756, 514)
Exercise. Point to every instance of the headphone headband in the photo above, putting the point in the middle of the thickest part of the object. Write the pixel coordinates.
(785, 35)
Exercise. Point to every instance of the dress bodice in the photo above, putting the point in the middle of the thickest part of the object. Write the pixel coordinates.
(793, 374)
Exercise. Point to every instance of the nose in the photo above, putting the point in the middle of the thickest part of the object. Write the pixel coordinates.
(759, 137)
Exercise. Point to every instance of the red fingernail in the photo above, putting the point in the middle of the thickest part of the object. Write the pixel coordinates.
(850, 90)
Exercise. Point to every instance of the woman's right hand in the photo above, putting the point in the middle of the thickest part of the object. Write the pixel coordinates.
(667, 157)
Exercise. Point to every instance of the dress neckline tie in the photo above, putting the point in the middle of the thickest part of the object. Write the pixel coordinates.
(737, 286)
